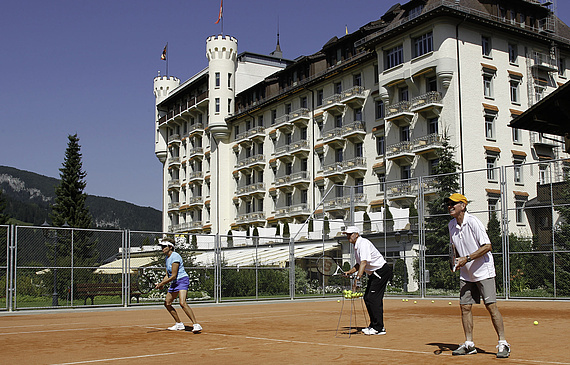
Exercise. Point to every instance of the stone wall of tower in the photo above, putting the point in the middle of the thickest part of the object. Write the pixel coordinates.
(221, 52)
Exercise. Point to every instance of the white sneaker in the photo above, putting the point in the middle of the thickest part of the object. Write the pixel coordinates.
(366, 330)
(196, 328)
(177, 327)
(373, 331)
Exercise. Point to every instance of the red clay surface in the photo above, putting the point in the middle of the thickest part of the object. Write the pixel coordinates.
(287, 332)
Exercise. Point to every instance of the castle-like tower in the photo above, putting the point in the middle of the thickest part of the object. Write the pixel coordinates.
(163, 85)
(221, 52)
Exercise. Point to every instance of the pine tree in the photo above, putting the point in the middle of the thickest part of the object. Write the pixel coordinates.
(70, 209)
(70, 199)
(3, 217)
(437, 232)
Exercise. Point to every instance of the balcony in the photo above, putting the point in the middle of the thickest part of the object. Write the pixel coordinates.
(405, 193)
(354, 131)
(252, 189)
(196, 128)
(195, 175)
(201, 101)
(356, 166)
(300, 148)
(173, 206)
(195, 201)
(334, 172)
(174, 161)
(333, 105)
(196, 152)
(544, 62)
(174, 184)
(297, 210)
(333, 138)
(251, 162)
(283, 124)
(429, 104)
(545, 140)
(402, 152)
(255, 217)
(174, 138)
(299, 178)
(344, 202)
(428, 145)
(300, 117)
(354, 97)
(399, 113)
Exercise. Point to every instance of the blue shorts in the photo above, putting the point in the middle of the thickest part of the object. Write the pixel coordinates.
(179, 284)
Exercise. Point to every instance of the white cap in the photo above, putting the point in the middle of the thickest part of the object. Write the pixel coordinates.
(351, 229)
(165, 243)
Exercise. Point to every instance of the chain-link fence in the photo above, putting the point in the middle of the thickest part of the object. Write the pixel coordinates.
(527, 223)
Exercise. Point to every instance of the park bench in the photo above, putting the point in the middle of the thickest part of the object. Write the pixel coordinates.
(91, 290)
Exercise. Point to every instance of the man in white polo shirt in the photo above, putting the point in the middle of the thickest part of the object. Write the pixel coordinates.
(371, 261)
(477, 273)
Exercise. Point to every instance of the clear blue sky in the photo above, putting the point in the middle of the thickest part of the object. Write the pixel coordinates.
(87, 67)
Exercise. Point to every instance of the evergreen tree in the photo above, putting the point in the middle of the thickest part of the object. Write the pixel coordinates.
(286, 232)
(3, 217)
(437, 232)
(70, 209)
(70, 197)
(562, 238)
(367, 225)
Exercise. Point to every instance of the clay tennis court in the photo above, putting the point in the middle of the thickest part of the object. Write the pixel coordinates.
(285, 332)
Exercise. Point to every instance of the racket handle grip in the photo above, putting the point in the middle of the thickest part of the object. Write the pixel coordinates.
(455, 267)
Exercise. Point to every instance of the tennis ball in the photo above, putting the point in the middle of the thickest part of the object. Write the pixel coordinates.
(449, 303)
(403, 300)
(433, 301)
(415, 302)
(535, 323)
(406, 300)
(338, 301)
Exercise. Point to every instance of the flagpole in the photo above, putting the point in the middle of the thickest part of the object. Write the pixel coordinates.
(166, 59)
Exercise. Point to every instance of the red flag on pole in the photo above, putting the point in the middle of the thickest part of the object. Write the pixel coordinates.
(221, 11)
(163, 55)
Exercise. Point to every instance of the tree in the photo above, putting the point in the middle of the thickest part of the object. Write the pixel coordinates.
(367, 225)
(562, 239)
(326, 227)
(70, 197)
(286, 232)
(3, 217)
(230, 239)
(70, 208)
(437, 232)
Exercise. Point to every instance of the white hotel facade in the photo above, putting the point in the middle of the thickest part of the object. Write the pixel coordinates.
(255, 140)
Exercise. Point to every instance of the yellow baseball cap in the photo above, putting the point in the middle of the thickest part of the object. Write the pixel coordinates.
(457, 198)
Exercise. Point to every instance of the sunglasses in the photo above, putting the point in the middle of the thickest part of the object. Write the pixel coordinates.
(452, 203)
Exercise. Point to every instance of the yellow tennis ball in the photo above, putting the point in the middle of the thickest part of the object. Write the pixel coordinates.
(449, 303)
(338, 301)
(415, 302)
(535, 323)
(403, 300)
(406, 300)
(433, 301)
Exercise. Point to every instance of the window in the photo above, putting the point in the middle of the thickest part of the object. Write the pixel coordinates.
(380, 145)
(542, 174)
(519, 211)
(289, 199)
(416, 11)
(338, 121)
(394, 57)
(492, 206)
(260, 205)
(304, 196)
(217, 105)
(273, 116)
(561, 67)
(538, 93)
(405, 134)
(376, 75)
(358, 150)
(431, 84)
(381, 183)
(229, 80)
(288, 108)
(303, 133)
(517, 138)
(379, 109)
(486, 46)
(337, 87)
(406, 172)
(404, 95)
(488, 85)
(358, 115)
(304, 164)
(320, 97)
(513, 53)
(288, 168)
(217, 79)
(490, 126)
(303, 102)
(518, 171)
(357, 80)
(423, 44)
(289, 138)
(514, 88)
(260, 120)
(433, 125)
(338, 157)
(433, 166)
(229, 106)
(491, 166)
(359, 182)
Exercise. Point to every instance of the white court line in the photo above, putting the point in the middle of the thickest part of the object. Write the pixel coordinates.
(120, 358)
(42, 325)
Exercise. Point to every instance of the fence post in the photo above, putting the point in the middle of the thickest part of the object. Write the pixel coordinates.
(126, 245)
(217, 269)
(10, 247)
(421, 238)
(291, 267)
(505, 230)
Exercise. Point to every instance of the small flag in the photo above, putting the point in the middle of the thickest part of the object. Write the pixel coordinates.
(221, 11)
(163, 55)
(346, 29)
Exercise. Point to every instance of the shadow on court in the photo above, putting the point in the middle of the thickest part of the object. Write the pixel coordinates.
(444, 347)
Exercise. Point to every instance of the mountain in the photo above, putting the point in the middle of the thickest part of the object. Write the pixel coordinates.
(29, 196)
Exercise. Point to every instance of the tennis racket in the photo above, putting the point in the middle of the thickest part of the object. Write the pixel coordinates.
(328, 266)
(452, 258)
(145, 280)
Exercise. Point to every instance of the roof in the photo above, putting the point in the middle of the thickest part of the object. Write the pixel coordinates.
(550, 115)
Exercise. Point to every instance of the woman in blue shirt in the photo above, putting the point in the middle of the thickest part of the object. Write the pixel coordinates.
(179, 283)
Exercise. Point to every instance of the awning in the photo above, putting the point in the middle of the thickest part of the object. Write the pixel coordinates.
(115, 267)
